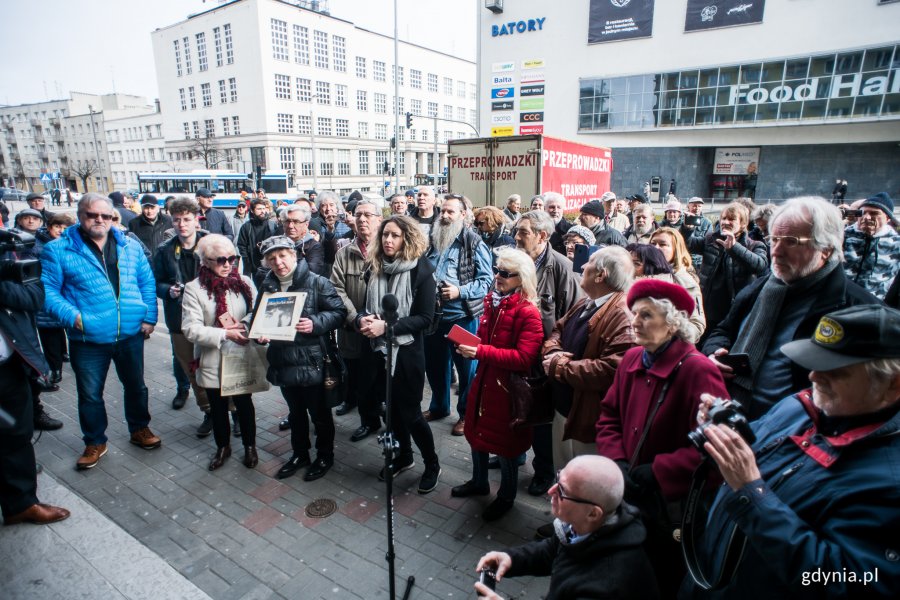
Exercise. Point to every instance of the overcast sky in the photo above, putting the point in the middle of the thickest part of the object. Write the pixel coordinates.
(51, 47)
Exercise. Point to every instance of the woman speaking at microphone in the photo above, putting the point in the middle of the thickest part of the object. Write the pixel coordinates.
(397, 266)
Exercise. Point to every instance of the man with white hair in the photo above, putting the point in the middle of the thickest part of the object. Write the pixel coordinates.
(806, 282)
(643, 225)
(425, 214)
(555, 205)
(334, 232)
(513, 207)
(596, 552)
(294, 221)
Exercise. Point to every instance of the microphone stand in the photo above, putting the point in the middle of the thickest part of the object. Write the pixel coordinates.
(390, 449)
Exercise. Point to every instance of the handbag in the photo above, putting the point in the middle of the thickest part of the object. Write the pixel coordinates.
(334, 371)
(531, 400)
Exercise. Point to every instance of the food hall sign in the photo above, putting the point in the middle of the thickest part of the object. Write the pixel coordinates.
(839, 86)
(514, 27)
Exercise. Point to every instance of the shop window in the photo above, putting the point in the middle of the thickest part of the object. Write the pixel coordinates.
(773, 71)
(867, 106)
(796, 68)
(814, 109)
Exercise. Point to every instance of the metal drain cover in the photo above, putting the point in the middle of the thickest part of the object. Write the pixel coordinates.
(320, 508)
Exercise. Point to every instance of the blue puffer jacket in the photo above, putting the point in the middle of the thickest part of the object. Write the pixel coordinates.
(829, 503)
(76, 283)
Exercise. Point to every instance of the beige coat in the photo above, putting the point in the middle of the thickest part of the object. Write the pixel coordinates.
(197, 324)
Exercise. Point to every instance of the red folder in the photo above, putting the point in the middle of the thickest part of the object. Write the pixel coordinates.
(461, 337)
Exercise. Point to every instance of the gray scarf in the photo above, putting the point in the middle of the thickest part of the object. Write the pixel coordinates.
(759, 327)
(393, 279)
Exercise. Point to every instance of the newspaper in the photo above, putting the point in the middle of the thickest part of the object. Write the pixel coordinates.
(243, 369)
(277, 316)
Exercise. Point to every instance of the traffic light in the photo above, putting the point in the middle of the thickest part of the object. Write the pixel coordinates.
(393, 142)
(387, 167)
(409, 120)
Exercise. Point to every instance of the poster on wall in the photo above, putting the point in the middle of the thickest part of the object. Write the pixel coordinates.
(712, 14)
(735, 161)
(614, 20)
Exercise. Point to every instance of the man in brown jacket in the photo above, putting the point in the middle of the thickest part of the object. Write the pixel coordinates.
(585, 348)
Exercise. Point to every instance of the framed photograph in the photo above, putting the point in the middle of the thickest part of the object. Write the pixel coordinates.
(277, 316)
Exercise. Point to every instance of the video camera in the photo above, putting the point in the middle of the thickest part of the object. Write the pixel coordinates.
(18, 271)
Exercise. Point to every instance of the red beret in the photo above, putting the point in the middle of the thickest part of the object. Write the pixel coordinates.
(661, 290)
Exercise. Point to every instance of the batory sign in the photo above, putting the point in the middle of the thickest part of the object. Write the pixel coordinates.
(514, 27)
(506, 92)
(576, 171)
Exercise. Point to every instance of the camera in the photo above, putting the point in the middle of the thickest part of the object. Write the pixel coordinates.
(849, 212)
(723, 412)
(693, 220)
(18, 271)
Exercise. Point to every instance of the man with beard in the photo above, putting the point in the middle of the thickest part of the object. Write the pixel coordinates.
(805, 283)
(425, 215)
(555, 205)
(258, 228)
(592, 217)
(463, 274)
(643, 225)
(872, 246)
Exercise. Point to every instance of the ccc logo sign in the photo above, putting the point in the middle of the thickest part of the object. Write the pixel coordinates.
(531, 117)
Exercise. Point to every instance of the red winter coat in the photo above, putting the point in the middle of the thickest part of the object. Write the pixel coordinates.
(634, 392)
(511, 337)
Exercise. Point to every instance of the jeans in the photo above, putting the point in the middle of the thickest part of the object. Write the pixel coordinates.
(439, 352)
(91, 363)
(509, 474)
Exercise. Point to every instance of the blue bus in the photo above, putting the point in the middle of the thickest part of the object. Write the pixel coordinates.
(227, 185)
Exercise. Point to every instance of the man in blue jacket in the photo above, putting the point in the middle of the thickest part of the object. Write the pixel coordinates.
(812, 508)
(100, 286)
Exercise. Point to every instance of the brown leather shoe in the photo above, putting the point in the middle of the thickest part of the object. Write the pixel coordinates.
(220, 457)
(430, 416)
(91, 456)
(251, 458)
(39, 514)
(459, 428)
(144, 438)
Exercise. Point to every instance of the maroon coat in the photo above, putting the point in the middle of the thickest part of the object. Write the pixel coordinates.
(511, 337)
(634, 392)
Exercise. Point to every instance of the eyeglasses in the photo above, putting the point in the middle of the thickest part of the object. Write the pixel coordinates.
(94, 216)
(365, 215)
(561, 494)
(504, 274)
(221, 260)
(479, 223)
(292, 221)
(788, 241)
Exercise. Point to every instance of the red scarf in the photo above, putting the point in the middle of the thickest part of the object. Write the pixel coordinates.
(217, 287)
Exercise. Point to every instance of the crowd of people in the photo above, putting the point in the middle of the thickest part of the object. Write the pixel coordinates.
(638, 326)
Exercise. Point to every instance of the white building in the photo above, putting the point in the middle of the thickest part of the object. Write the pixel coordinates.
(695, 91)
(282, 86)
(135, 144)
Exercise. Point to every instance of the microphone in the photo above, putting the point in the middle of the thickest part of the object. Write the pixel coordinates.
(389, 306)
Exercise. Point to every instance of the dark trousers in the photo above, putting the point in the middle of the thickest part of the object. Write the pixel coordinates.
(407, 386)
(542, 444)
(509, 473)
(302, 400)
(53, 340)
(246, 414)
(361, 381)
(18, 476)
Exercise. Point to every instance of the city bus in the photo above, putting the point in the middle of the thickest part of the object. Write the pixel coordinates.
(227, 185)
(429, 179)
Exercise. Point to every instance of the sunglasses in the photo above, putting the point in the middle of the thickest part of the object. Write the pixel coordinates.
(221, 260)
(479, 223)
(561, 494)
(94, 216)
(504, 274)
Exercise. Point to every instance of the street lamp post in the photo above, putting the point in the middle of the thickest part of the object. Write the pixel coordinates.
(97, 150)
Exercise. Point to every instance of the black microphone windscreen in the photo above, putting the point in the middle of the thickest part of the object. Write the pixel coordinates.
(389, 303)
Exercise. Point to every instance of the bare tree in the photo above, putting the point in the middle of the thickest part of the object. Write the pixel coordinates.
(207, 149)
(84, 169)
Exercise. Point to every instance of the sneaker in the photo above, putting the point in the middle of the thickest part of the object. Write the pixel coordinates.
(205, 427)
(91, 456)
(430, 478)
(45, 422)
(179, 399)
(398, 466)
(144, 438)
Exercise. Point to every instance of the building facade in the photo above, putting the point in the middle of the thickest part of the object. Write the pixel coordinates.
(768, 99)
(136, 145)
(278, 85)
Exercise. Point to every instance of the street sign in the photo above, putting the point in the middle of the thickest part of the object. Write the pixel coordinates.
(46, 178)
(55, 174)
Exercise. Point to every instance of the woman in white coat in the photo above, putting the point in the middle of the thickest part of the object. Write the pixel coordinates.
(219, 290)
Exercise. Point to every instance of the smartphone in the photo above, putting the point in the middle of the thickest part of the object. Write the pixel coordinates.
(691, 220)
(488, 578)
(849, 212)
(227, 321)
(739, 362)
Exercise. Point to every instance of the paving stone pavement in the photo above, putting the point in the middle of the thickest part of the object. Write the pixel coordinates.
(241, 534)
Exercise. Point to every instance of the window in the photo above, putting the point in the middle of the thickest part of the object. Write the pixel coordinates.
(301, 45)
(229, 47)
(226, 126)
(282, 87)
(324, 126)
(381, 161)
(361, 67)
(223, 92)
(232, 86)
(399, 74)
(363, 129)
(401, 103)
(186, 42)
(415, 107)
(206, 94)
(321, 49)
(304, 125)
(403, 164)
(340, 53)
(217, 45)
(424, 135)
(285, 123)
(460, 113)
(448, 135)
(380, 131)
(287, 159)
(432, 109)
(363, 162)
(432, 82)
(304, 90)
(448, 112)
(340, 95)
(279, 39)
(187, 130)
(343, 162)
(460, 89)
(177, 57)
(362, 100)
(448, 86)
(236, 125)
(193, 97)
(323, 92)
(415, 79)
(306, 162)
(342, 128)
(473, 91)
(201, 51)
(209, 128)
(183, 98)
(378, 70)
(326, 162)
(380, 103)
(196, 125)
